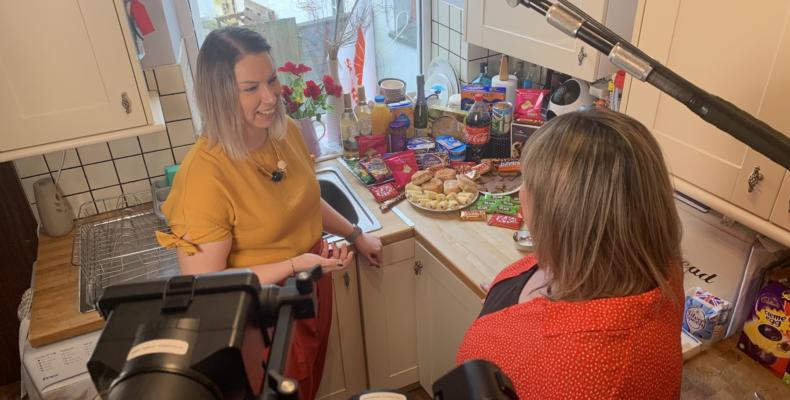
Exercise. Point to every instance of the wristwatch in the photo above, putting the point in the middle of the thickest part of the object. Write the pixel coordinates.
(353, 235)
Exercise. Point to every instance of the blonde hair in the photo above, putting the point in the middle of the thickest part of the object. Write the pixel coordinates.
(218, 94)
(603, 217)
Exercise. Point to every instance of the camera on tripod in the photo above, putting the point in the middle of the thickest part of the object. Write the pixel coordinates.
(204, 337)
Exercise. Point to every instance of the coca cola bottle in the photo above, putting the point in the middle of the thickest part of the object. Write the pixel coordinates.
(478, 130)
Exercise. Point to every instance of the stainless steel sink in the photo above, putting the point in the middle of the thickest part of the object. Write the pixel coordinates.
(336, 191)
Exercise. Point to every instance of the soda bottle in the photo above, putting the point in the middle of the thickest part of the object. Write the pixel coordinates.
(478, 130)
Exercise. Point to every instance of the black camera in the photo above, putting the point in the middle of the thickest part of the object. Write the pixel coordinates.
(203, 337)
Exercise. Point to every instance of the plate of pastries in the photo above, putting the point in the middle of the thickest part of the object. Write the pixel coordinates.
(442, 190)
(496, 176)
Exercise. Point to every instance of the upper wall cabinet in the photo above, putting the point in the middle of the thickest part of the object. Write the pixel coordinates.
(740, 56)
(68, 70)
(523, 33)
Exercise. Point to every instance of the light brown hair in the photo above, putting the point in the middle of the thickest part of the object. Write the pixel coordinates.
(218, 94)
(603, 217)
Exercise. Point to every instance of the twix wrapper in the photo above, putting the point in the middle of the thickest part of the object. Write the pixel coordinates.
(473, 215)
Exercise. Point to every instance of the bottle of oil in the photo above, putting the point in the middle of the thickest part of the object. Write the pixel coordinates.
(363, 113)
(349, 128)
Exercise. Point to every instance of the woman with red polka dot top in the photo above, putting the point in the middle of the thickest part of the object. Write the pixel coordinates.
(595, 313)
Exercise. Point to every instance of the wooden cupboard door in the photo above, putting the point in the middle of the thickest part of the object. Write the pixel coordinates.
(388, 298)
(525, 34)
(724, 50)
(446, 308)
(757, 184)
(781, 212)
(64, 71)
(344, 370)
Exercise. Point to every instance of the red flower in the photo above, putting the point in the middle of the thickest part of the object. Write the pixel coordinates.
(287, 91)
(333, 90)
(328, 81)
(288, 67)
(312, 90)
(291, 107)
(301, 68)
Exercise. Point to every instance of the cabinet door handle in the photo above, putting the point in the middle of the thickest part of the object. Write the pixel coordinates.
(582, 55)
(346, 279)
(755, 178)
(126, 103)
(417, 268)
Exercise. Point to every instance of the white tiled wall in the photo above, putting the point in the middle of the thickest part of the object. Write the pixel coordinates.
(106, 170)
(447, 42)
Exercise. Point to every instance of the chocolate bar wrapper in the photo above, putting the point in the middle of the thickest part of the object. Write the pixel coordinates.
(505, 221)
(384, 192)
(433, 158)
(473, 215)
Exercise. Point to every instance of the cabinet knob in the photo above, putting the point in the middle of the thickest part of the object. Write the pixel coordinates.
(346, 279)
(582, 55)
(755, 178)
(417, 268)
(126, 103)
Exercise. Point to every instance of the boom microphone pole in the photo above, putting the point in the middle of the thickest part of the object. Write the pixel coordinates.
(741, 125)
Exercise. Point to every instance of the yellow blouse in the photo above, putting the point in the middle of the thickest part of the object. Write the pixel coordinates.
(214, 196)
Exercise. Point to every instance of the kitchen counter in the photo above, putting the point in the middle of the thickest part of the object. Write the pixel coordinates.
(475, 252)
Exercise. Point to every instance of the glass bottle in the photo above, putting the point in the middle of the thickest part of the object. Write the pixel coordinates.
(363, 113)
(381, 117)
(420, 109)
(349, 127)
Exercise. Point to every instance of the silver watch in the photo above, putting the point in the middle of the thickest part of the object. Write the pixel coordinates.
(353, 235)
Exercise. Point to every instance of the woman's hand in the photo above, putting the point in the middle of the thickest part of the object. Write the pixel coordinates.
(331, 258)
(369, 246)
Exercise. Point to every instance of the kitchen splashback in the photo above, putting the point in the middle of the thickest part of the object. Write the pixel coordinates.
(127, 165)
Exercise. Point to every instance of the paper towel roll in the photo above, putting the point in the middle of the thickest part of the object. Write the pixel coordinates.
(510, 86)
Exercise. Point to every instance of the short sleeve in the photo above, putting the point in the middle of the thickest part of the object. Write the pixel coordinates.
(199, 206)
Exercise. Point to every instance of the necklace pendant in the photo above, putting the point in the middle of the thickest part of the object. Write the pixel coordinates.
(281, 164)
(278, 175)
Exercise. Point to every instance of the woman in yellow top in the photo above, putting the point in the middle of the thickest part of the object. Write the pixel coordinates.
(246, 193)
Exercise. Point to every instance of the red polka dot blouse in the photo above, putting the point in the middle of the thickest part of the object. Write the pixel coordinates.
(615, 348)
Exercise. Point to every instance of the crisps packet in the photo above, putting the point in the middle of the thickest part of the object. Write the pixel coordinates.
(402, 165)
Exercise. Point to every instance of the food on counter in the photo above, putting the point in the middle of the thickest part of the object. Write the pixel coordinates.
(384, 191)
(509, 166)
(489, 95)
(433, 185)
(461, 167)
(482, 168)
(421, 144)
(361, 173)
(376, 167)
(528, 105)
(497, 183)
(465, 198)
(370, 146)
(505, 221)
(402, 165)
(392, 202)
(466, 184)
(421, 177)
(451, 186)
(473, 215)
(432, 159)
(445, 174)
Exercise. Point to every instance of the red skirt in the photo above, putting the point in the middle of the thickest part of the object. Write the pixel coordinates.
(310, 339)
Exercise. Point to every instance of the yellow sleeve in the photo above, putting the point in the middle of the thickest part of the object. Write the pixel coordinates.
(198, 206)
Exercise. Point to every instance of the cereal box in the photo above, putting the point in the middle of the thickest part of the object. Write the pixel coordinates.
(766, 333)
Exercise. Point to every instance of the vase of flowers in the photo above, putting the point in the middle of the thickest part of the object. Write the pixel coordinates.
(306, 100)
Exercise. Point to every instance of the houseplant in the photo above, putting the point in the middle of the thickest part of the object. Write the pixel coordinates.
(305, 101)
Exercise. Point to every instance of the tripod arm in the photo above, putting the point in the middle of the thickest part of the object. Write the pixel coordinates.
(718, 112)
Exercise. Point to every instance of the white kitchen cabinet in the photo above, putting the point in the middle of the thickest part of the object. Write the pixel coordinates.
(68, 71)
(389, 301)
(781, 212)
(446, 308)
(523, 33)
(742, 57)
(344, 369)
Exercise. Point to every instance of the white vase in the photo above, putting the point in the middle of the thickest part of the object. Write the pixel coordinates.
(307, 126)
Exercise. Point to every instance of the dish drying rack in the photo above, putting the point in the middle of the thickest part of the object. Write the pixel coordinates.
(115, 242)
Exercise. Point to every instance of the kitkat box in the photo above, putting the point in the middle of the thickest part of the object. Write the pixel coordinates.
(766, 333)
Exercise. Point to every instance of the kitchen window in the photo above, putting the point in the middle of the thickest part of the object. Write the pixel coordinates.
(297, 28)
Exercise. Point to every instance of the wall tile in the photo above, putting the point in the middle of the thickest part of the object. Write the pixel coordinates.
(101, 175)
(150, 80)
(455, 62)
(434, 32)
(131, 168)
(455, 43)
(30, 166)
(54, 159)
(125, 147)
(456, 22)
(94, 153)
(434, 9)
(434, 50)
(175, 107)
(444, 37)
(475, 52)
(154, 141)
(464, 72)
(444, 54)
(157, 161)
(472, 70)
(169, 79)
(72, 181)
(141, 186)
(181, 132)
(76, 201)
(181, 152)
(443, 11)
(27, 186)
(106, 198)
